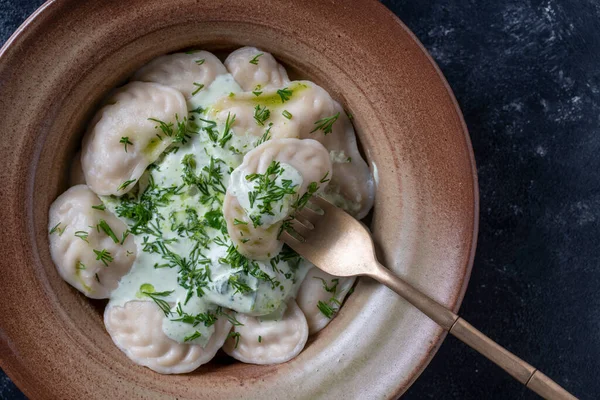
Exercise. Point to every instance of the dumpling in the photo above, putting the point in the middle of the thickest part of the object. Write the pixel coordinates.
(352, 186)
(256, 70)
(187, 72)
(260, 341)
(87, 243)
(136, 329)
(319, 286)
(76, 176)
(308, 111)
(138, 123)
(277, 174)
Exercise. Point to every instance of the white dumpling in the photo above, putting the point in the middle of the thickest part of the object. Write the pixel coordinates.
(110, 164)
(311, 162)
(351, 178)
(136, 329)
(320, 286)
(352, 186)
(84, 254)
(186, 72)
(254, 69)
(76, 176)
(268, 342)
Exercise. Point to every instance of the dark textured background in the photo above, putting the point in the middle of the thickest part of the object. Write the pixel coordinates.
(527, 76)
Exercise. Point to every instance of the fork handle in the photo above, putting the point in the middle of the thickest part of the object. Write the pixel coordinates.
(461, 329)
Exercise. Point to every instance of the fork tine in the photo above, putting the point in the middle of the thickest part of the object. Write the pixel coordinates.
(322, 203)
(290, 240)
(309, 214)
(304, 221)
(300, 229)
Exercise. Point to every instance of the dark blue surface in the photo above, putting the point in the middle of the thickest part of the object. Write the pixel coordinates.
(527, 76)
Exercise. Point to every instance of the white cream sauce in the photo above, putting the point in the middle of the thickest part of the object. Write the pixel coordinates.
(227, 283)
(241, 188)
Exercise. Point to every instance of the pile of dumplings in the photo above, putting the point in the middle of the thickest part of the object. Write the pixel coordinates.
(120, 145)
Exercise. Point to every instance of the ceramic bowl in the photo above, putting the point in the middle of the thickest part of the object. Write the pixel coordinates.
(54, 71)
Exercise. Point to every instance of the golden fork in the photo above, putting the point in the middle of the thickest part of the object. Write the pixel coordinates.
(338, 244)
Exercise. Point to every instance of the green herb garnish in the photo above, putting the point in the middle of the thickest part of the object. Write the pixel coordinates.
(165, 128)
(56, 228)
(125, 184)
(125, 140)
(227, 135)
(267, 191)
(214, 219)
(254, 59)
(326, 124)
(332, 288)
(229, 317)
(124, 236)
(235, 335)
(325, 309)
(210, 180)
(300, 203)
(261, 114)
(193, 336)
(106, 228)
(83, 235)
(207, 318)
(199, 87)
(285, 94)
(266, 136)
(286, 114)
(238, 285)
(148, 290)
(104, 256)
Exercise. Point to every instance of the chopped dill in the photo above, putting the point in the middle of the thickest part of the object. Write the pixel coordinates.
(261, 115)
(285, 94)
(326, 309)
(106, 228)
(227, 135)
(254, 59)
(326, 124)
(125, 184)
(56, 228)
(238, 285)
(266, 136)
(125, 140)
(199, 87)
(83, 235)
(103, 256)
(156, 297)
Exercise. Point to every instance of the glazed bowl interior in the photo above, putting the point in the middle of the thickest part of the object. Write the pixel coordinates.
(56, 71)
